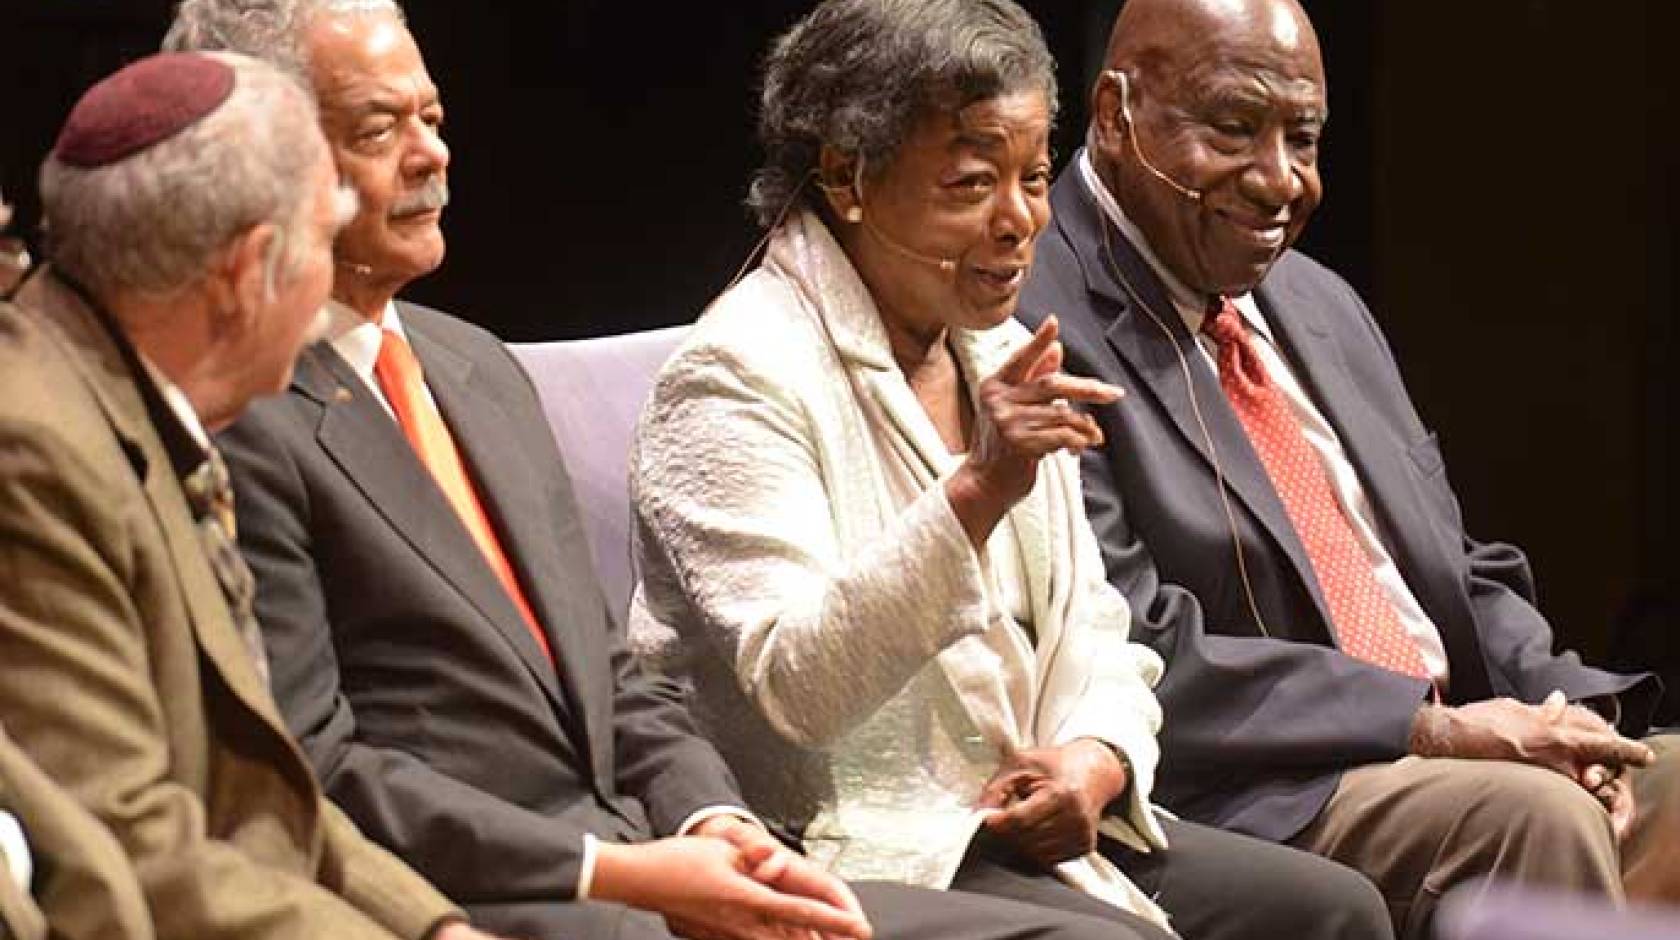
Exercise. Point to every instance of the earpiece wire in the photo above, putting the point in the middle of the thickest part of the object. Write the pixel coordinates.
(1201, 423)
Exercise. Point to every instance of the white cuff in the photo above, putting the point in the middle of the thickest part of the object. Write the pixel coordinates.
(592, 846)
(15, 850)
(586, 871)
(721, 809)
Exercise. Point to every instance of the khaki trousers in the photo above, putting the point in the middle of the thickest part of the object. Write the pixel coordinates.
(1651, 850)
(1420, 826)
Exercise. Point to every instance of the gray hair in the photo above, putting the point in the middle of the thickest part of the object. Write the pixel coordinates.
(858, 74)
(153, 222)
(271, 30)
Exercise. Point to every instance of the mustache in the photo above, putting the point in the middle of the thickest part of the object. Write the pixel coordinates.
(431, 196)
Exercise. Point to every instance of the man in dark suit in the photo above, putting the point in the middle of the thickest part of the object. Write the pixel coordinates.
(439, 641)
(133, 669)
(1339, 651)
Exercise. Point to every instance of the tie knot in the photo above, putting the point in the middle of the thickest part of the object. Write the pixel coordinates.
(1223, 322)
(396, 362)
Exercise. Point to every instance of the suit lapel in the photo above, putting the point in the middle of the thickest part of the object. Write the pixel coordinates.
(1381, 460)
(1126, 294)
(514, 497)
(368, 446)
(113, 373)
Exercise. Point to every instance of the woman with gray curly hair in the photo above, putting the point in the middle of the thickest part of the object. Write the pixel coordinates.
(858, 506)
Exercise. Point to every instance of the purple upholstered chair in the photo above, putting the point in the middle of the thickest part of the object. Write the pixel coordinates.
(1508, 912)
(592, 391)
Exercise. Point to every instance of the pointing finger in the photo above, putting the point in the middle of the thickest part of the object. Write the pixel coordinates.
(1048, 362)
(1020, 365)
(1070, 387)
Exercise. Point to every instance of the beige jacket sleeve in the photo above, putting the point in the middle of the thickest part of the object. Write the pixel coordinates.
(20, 919)
(81, 873)
(81, 699)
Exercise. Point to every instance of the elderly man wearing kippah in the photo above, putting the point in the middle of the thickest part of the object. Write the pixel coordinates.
(192, 206)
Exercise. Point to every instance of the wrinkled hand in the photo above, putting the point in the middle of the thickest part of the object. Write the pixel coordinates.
(1614, 791)
(1609, 785)
(1506, 729)
(782, 869)
(711, 888)
(1025, 413)
(1049, 800)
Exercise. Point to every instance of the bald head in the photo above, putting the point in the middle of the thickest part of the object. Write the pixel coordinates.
(1205, 126)
(1151, 34)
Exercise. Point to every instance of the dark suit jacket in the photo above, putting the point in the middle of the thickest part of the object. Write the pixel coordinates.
(420, 695)
(126, 679)
(1257, 729)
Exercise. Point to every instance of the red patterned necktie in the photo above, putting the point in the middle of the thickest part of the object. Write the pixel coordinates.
(1364, 619)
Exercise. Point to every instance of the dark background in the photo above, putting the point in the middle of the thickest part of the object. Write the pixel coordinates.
(1501, 188)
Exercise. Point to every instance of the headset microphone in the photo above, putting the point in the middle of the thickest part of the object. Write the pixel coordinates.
(1194, 195)
(947, 265)
(855, 214)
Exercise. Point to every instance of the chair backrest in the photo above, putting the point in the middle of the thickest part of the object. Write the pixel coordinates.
(592, 391)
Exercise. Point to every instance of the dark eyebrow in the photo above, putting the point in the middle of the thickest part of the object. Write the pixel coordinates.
(985, 140)
(1228, 97)
(385, 102)
(1239, 99)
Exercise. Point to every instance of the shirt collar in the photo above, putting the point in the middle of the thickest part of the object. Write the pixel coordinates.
(179, 405)
(1191, 304)
(179, 428)
(356, 338)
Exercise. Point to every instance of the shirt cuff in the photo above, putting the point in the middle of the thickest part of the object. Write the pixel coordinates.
(15, 849)
(721, 809)
(591, 845)
(586, 869)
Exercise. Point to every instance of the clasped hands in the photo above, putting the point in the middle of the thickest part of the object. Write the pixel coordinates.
(1047, 801)
(1564, 738)
(729, 879)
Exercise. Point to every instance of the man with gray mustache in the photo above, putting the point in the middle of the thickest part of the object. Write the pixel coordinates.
(438, 641)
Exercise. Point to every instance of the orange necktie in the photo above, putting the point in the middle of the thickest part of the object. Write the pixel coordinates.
(1366, 625)
(398, 372)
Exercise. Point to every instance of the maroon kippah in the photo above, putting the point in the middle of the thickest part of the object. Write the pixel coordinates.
(147, 102)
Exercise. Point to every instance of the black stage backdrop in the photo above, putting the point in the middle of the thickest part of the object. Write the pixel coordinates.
(1500, 182)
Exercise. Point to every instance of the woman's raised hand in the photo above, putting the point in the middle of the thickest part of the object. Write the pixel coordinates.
(1026, 410)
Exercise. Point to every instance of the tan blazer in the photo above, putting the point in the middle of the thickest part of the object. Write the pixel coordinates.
(125, 677)
(20, 919)
(81, 872)
(793, 529)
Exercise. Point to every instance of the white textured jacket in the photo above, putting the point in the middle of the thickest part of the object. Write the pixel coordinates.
(850, 650)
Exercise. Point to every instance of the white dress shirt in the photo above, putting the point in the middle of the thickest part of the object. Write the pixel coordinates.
(356, 339)
(14, 849)
(1344, 478)
(179, 404)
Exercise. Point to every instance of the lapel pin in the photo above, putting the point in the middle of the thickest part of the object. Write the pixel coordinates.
(342, 395)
